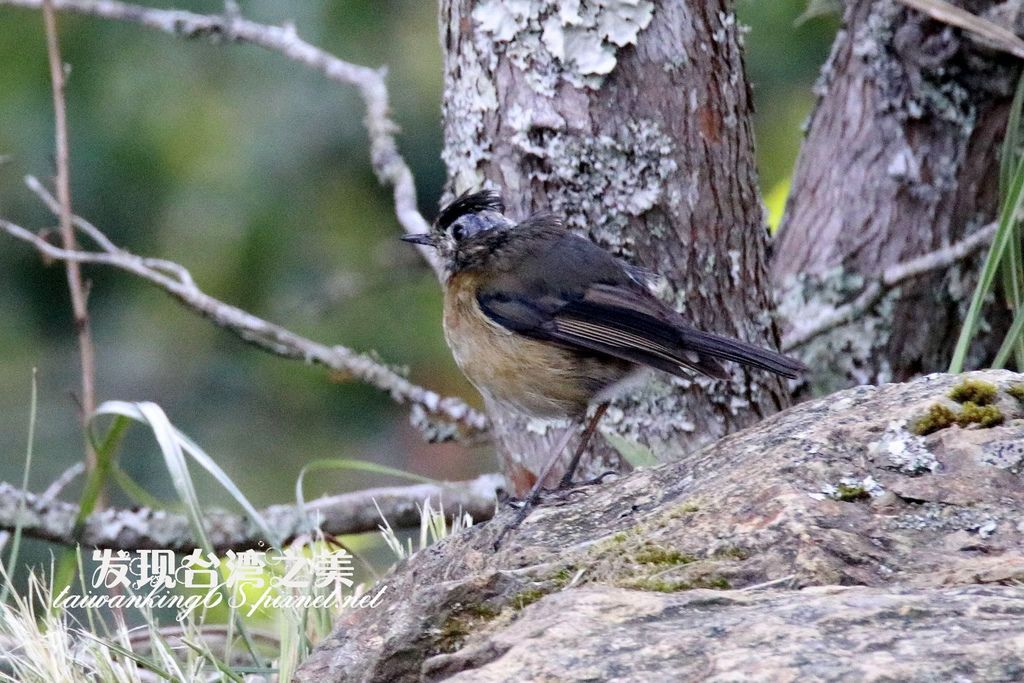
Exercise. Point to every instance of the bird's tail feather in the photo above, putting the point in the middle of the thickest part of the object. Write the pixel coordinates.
(738, 351)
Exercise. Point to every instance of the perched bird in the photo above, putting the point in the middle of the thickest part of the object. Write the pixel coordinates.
(549, 323)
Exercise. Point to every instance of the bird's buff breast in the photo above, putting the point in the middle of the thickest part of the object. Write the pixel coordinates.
(539, 379)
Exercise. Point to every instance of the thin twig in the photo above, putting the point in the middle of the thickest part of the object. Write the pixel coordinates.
(61, 482)
(144, 528)
(458, 420)
(892, 277)
(388, 164)
(79, 299)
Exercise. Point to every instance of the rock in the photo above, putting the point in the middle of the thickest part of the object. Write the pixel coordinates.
(830, 633)
(828, 542)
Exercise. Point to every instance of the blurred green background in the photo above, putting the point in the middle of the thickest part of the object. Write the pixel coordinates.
(253, 172)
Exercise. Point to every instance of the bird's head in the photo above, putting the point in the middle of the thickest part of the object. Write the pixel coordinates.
(461, 229)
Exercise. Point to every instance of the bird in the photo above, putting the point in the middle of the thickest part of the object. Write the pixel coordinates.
(549, 324)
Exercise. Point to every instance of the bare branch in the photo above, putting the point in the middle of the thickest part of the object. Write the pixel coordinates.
(440, 418)
(79, 304)
(388, 164)
(145, 528)
(892, 277)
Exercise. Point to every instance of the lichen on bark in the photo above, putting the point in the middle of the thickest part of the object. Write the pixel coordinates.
(899, 160)
(552, 41)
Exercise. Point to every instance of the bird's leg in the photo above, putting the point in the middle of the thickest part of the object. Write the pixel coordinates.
(534, 495)
(588, 433)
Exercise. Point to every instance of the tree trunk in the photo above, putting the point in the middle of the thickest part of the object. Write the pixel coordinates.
(900, 158)
(632, 122)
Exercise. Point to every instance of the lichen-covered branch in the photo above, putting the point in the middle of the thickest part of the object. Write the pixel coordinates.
(143, 528)
(876, 289)
(439, 418)
(388, 164)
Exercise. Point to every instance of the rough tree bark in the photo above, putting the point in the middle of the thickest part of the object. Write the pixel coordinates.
(631, 120)
(900, 158)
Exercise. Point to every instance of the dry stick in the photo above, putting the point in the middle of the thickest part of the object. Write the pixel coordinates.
(388, 164)
(79, 305)
(144, 528)
(176, 281)
(891, 277)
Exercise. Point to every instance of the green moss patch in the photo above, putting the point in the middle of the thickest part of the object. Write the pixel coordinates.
(935, 418)
(974, 391)
(463, 621)
(674, 586)
(939, 416)
(454, 632)
(850, 493)
(1017, 391)
(656, 554)
(731, 552)
(984, 415)
(527, 597)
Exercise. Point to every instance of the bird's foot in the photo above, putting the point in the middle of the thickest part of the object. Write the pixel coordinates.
(565, 488)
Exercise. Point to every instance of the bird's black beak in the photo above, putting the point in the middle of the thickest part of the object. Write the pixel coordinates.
(425, 238)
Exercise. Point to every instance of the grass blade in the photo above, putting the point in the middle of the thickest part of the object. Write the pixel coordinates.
(1011, 206)
(1011, 140)
(172, 445)
(117, 649)
(222, 666)
(106, 461)
(12, 559)
(186, 445)
(139, 495)
(1013, 264)
(351, 465)
(1013, 338)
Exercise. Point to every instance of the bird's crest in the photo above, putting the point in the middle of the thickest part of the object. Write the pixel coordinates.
(485, 200)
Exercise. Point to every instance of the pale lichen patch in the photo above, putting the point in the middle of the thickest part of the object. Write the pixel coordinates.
(610, 178)
(571, 40)
(900, 450)
(847, 352)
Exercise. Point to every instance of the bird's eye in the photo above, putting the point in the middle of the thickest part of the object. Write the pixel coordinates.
(467, 226)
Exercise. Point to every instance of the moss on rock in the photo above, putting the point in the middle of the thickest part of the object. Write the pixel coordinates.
(938, 416)
(974, 391)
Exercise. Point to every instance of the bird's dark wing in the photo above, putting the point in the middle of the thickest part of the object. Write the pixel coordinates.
(575, 294)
